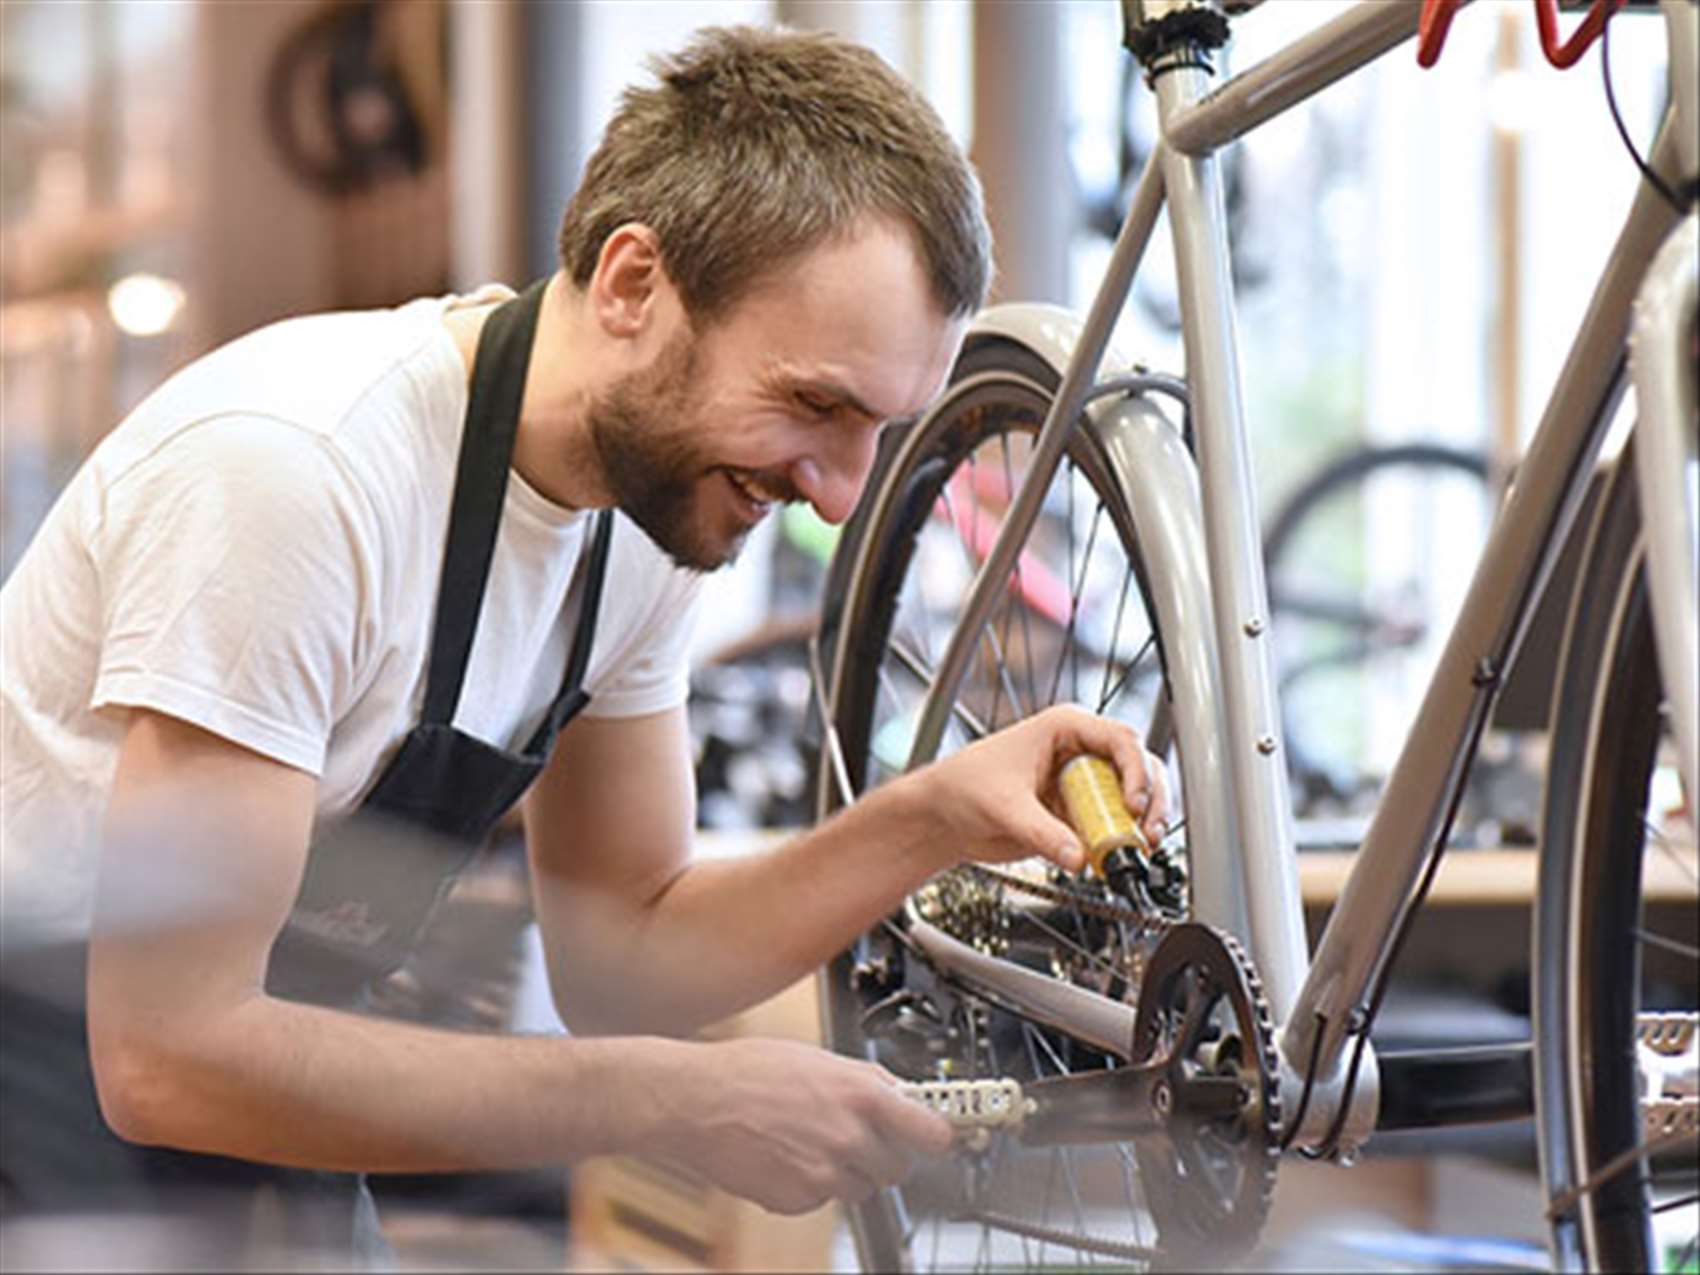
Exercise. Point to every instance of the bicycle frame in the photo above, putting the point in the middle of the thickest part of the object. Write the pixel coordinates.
(1324, 1003)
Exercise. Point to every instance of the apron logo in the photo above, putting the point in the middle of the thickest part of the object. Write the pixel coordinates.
(349, 923)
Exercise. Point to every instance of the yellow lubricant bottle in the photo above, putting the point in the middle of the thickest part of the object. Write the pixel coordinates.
(1115, 847)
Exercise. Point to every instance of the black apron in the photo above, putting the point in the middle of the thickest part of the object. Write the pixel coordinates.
(368, 891)
(372, 883)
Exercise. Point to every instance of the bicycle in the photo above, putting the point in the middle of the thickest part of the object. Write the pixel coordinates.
(1335, 636)
(1164, 1043)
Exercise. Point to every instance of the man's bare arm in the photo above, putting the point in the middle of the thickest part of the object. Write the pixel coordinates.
(641, 938)
(205, 852)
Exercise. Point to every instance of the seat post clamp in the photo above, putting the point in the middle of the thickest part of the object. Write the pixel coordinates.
(1182, 37)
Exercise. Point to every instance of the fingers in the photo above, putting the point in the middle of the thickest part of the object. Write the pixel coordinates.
(1156, 818)
(886, 1133)
(997, 790)
(1055, 840)
(1145, 787)
(911, 1125)
(794, 1126)
(1144, 784)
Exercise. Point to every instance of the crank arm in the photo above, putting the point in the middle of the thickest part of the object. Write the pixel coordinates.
(1133, 1101)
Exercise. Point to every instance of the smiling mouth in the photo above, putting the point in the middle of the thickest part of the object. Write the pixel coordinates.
(755, 495)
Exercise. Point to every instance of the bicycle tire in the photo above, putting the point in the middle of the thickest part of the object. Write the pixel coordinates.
(998, 390)
(1350, 632)
(1594, 971)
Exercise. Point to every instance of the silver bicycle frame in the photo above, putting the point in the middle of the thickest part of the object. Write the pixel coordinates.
(1665, 464)
(1326, 1003)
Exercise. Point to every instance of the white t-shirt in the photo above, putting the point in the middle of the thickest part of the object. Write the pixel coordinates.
(256, 550)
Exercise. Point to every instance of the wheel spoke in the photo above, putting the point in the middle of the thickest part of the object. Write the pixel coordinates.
(1074, 592)
(1667, 944)
(922, 671)
(1662, 843)
(1020, 591)
(1076, 587)
(1104, 695)
(952, 1217)
(1085, 953)
(988, 637)
(1005, 683)
(1127, 670)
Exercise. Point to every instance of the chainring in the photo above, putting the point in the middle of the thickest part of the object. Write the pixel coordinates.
(1210, 1175)
(1209, 1181)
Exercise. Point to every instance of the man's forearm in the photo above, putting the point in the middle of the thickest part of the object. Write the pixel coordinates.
(291, 1084)
(727, 933)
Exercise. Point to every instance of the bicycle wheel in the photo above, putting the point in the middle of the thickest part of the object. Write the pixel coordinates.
(1094, 643)
(1615, 959)
(1367, 561)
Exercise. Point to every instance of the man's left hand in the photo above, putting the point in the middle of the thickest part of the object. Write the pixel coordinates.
(998, 798)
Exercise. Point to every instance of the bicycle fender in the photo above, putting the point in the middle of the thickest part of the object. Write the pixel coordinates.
(1151, 461)
(1153, 465)
(1050, 331)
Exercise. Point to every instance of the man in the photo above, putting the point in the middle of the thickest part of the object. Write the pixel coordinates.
(339, 566)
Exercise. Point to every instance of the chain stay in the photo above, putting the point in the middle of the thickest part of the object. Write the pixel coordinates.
(965, 1103)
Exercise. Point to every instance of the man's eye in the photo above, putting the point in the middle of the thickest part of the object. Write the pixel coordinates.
(819, 406)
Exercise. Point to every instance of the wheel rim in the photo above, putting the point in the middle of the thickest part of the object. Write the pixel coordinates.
(1615, 1083)
(1604, 960)
(1091, 643)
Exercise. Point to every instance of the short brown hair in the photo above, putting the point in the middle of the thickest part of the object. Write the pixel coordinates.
(758, 144)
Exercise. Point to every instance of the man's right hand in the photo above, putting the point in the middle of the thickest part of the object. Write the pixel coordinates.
(791, 1126)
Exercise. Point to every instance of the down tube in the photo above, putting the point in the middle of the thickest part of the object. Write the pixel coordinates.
(1409, 823)
(1252, 751)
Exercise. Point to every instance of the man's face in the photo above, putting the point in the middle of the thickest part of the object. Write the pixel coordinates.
(777, 400)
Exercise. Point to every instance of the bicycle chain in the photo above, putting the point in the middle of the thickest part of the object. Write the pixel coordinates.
(1156, 927)
(1670, 1118)
(1079, 1241)
(1666, 1034)
(1091, 904)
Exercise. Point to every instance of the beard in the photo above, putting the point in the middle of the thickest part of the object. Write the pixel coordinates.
(646, 429)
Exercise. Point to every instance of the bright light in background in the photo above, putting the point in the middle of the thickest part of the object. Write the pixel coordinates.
(145, 304)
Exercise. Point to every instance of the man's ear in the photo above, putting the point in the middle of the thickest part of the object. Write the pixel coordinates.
(629, 282)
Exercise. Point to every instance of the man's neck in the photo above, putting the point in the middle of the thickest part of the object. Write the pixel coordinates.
(552, 448)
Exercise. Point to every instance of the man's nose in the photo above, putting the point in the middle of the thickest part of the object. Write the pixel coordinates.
(832, 480)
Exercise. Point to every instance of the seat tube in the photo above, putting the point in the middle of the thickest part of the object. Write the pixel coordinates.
(1269, 871)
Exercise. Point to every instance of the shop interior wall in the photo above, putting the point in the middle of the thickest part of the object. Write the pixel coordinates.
(139, 145)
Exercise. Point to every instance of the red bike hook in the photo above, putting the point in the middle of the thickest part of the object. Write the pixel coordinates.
(1436, 17)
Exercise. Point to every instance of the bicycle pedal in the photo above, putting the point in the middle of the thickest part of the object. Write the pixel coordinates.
(976, 1109)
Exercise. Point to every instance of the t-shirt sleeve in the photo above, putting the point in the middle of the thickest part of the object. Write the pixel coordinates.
(650, 671)
(235, 575)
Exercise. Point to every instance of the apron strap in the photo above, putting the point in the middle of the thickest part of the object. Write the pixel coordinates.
(481, 484)
(573, 697)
